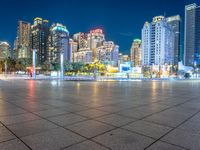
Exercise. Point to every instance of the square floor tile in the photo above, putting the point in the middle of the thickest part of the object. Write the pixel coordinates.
(31, 127)
(74, 108)
(92, 113)
(67, 119)
(13, 145)
(5, 134)
(148, 129)
(123, 140)
(34, 106)
(50, 113)
(152, 108)
(87, 145)
(163, 146)
(8, 120)
(134, 113)
(90, 128)
(54, 139)
(185, 139)
(115, 120)
(11, 111)
(167, 119)
(190, 127)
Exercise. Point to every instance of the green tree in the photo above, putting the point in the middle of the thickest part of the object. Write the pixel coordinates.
(2, 65)
(146, 71)
(22, 63)
(55, 66)
(46, 66)
(10, 64)
(68, 66)
(77, 67)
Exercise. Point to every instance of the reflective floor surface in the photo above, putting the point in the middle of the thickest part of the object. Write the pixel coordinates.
(53, 115)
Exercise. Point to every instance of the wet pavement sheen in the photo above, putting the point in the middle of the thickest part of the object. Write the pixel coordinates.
(54, 115)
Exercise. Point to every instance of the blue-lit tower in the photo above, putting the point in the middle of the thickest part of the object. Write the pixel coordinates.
(59, 43)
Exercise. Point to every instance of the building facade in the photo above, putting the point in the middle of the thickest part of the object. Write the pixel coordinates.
(157, 42)
(59, 43)
(83, 56)
(136, 53)
(192, 35)
(39, 39)
(22, 47)
(95, 39)
(108, 53)
(81, 39)
(4, 50)
(175, 22)
(93, 47)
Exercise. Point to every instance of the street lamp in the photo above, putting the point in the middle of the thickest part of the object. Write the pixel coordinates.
(6, 66)
(34, 63)
(61, 65)
(195, 67)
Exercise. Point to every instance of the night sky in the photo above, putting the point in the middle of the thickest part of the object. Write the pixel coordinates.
(121, 20)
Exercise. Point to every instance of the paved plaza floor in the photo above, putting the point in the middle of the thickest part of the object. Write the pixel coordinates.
(54, 115)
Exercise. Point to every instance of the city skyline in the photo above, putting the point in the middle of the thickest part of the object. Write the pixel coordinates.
(122, 32)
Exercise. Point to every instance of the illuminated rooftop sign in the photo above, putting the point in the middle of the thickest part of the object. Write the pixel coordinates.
(60, 28)
(100, 31)
(4, 43)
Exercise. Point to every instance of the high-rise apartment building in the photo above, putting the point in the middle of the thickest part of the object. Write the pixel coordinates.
(15, 48)
(95, 39)
(157, 42)
(39, 39)
(59, 43)
(81, 39)
(94, 47)
(192, 35)
(108, 53)
(136, 53)
(22, 47)
(175, 22)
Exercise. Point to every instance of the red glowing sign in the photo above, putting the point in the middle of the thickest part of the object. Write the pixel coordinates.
(100, 31)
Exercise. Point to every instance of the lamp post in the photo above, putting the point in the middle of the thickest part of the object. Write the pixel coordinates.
(195, 68)
(6, 66)
(34, 63)
(61, 65)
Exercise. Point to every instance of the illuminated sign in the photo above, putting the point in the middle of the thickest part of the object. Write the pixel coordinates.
(60, 28)
(100, 31)
(125, 67)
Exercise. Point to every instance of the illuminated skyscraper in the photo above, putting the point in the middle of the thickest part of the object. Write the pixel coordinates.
(59, 43)
(73, 47)
(15, 48)
(4, 50)
(23, 48)
(95, 39)
(192, 35)
(93, 47)
(157, 42)
(136, 53)
(108, 53)
(39, 39)
(81, 39)
(175, 22)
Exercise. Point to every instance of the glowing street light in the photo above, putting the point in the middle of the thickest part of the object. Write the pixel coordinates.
(62, 65)
(34, 63)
